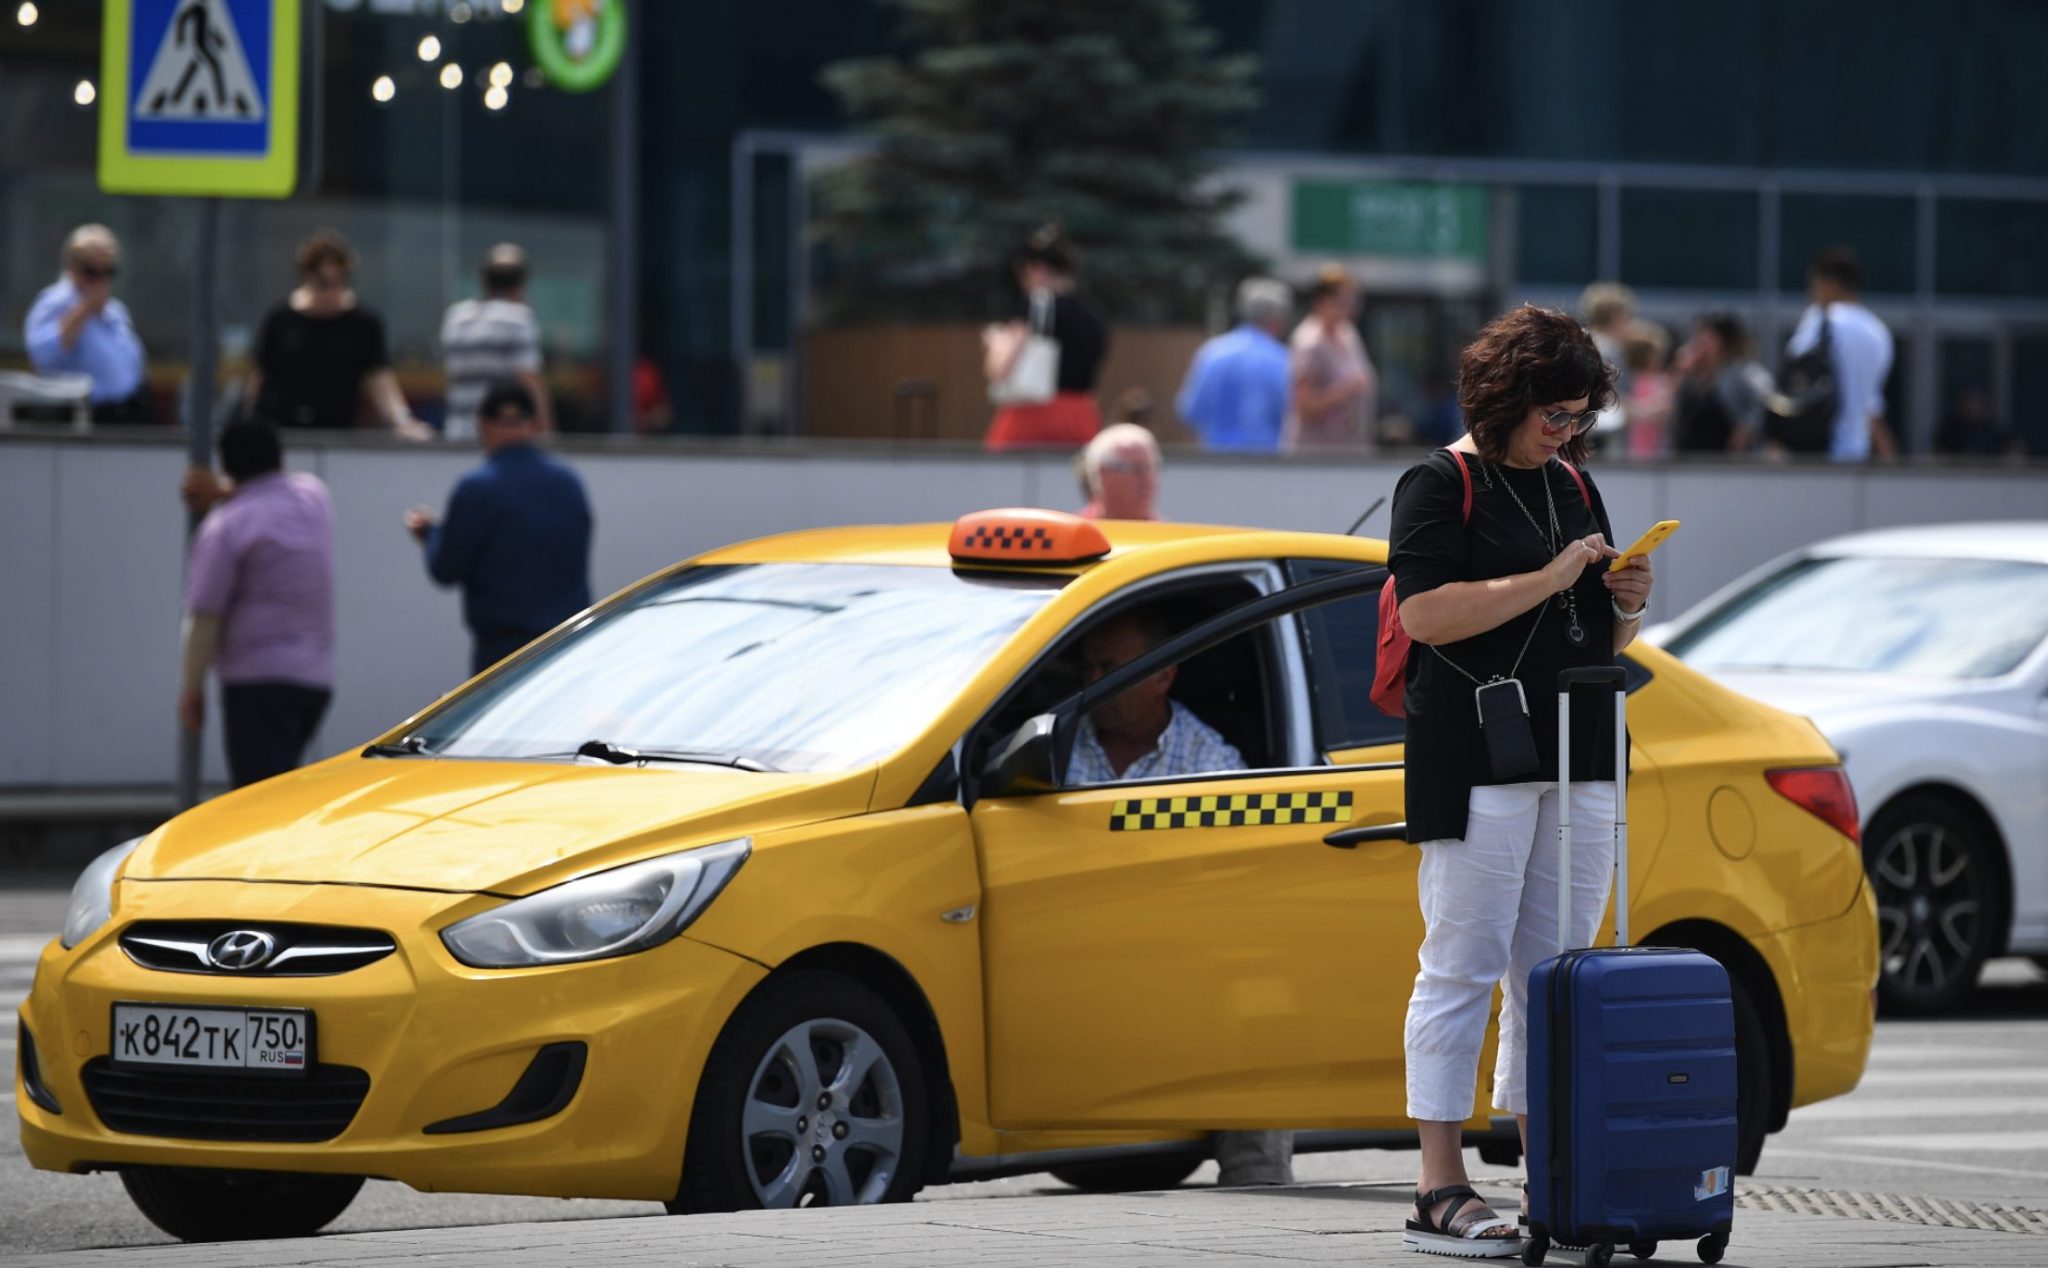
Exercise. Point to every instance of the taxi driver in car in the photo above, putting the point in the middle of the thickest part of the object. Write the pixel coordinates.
(1143, 733)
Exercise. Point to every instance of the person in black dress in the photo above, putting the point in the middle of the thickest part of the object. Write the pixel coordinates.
(1519, 589)
(320, 353)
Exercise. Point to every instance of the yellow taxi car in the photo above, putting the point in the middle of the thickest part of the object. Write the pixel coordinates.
(765, 883)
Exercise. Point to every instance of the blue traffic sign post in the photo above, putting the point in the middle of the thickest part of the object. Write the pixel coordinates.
(200, 98)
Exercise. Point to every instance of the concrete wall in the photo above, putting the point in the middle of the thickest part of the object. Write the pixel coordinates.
(91, 541)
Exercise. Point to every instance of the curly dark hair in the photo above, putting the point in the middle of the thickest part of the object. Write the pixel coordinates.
(1524, 358)
(323, 247)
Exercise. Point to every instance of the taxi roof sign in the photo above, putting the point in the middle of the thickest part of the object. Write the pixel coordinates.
(1026, 535)
(200, 97)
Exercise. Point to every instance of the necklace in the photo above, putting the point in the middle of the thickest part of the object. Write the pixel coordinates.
(1553, 540)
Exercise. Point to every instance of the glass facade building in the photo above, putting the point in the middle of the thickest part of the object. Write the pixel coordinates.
(1699, 154)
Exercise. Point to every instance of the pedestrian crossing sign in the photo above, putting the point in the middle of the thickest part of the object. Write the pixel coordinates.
(200, 97)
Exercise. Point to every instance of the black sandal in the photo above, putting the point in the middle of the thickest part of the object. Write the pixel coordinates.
(1472, 1238)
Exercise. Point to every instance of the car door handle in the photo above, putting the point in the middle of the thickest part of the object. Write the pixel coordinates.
(1350, 838)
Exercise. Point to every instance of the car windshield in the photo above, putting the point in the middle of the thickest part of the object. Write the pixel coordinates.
(794, 666)
(1931, 618)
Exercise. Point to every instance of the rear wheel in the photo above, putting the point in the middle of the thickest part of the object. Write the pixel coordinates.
(1752, 1080)
(197, 1204)
(813, 1096)
(1940, 899)
(1129, 1175)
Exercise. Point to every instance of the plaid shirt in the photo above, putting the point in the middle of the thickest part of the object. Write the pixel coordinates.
(1188, 746)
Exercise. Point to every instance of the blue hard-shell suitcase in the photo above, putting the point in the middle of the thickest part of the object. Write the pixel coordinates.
(1631, 1071)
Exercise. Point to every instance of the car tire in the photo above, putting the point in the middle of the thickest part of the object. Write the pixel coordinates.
(198, 1204)
(1127, 1175)
(814, 1095)
(1752, 1080)
(1940, 901)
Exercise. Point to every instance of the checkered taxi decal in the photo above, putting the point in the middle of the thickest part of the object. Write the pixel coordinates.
(1239, 811)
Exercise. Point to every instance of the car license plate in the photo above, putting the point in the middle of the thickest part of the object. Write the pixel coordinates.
(203, 1036)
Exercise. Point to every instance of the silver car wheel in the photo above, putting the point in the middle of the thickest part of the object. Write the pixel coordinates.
(823, 1121)
(1928, 906)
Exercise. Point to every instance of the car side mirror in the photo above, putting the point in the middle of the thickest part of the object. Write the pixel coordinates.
(1027, 760)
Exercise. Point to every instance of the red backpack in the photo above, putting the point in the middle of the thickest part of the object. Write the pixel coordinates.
(1390, 673)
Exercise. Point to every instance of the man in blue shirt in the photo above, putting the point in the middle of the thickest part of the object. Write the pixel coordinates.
(76, 326)
(1236, 394)
(516, 537)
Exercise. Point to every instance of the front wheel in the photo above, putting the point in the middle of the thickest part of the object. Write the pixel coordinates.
(1712, 1247)
(813, 1096)
(198, 1204)
(1940, 902)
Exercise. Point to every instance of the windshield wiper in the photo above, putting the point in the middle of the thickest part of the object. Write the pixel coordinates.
(618, 754)
(404, 746)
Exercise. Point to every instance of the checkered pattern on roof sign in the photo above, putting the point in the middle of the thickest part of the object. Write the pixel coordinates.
(1020, 538)
(1240, 810)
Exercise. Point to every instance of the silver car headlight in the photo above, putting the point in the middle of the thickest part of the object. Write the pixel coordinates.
(618, 912)
(92, 897)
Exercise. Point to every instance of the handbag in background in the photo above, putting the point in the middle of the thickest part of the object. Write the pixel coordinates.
(1035, 373)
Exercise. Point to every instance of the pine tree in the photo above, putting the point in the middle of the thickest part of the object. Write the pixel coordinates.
(1007, 114)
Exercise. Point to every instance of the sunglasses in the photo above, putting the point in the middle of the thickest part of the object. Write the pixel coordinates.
(95, 272)
(1565, 421)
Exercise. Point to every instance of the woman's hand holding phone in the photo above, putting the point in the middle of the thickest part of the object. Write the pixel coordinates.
(1630, 584)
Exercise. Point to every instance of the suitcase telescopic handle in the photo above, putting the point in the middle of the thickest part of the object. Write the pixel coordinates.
(1614, 678)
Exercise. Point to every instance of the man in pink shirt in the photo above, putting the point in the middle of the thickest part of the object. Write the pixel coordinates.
(259, 608)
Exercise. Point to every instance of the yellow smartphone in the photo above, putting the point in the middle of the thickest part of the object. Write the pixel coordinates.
(1652, 538)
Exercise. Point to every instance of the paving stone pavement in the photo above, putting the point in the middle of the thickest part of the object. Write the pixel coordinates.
(1212, 1228)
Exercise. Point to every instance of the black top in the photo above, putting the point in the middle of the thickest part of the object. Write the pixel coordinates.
(1431, 546)
(313, 367)
(1705, 424)
(1083, 341)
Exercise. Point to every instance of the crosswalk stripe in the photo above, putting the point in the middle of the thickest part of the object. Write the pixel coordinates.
(1954, 1142)
(1861, 1108)
(1947, 1077)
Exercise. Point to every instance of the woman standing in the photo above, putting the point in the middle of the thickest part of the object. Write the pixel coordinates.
(320, 353)
(1498, 601)
(1070, 417)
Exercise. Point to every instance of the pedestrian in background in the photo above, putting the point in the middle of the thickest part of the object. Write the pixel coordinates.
(320, 353)
(1610, 309)
(1060, 412)
(1859, 352)
(1647, 353)
(1721, 389)
(76, 326)
(1971, 430)
(1120, 474)
(1335, 385)
(1506, 590)
(259, 607)
(516, 537)
(1236, 392)
(492, 339)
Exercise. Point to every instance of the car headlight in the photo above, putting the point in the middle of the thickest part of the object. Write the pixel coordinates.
(618, 912)
(92, 897)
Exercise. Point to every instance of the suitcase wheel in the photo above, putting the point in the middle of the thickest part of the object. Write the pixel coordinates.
(1643, 1250)
(1712, 1247)
(1534, 1248)
(1599, 1254)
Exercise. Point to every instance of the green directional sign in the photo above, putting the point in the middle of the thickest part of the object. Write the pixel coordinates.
(1406, 220)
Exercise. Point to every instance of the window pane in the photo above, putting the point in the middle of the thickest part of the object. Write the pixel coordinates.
(2030, 392)
(1688, 239)
(1556, 227)
(1991, 247)
(1880, 230)
(1343, 645)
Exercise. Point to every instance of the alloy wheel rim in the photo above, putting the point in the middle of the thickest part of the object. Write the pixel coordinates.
(1929, 909)
(823, 1120)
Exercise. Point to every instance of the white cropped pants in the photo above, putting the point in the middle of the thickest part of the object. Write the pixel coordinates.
(1489, 912)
